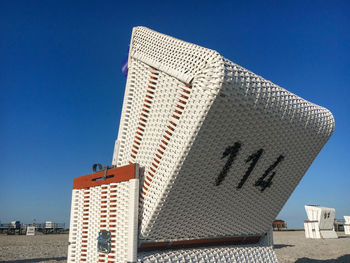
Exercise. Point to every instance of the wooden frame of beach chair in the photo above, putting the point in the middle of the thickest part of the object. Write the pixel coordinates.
(221, 148)
(320, 223)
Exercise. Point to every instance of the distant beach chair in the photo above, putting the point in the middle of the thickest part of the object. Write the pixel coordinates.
(320, 223)
(221, 151)
(30, 231)
(347, 225)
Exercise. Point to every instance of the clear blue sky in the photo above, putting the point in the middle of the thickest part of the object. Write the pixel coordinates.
(62, 88)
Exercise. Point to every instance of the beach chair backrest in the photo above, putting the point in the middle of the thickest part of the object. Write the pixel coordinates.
(222, 148)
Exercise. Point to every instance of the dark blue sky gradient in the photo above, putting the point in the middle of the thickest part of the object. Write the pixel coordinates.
(62, 88)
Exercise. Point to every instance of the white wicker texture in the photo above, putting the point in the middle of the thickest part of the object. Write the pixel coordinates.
(75, 226)
(105, 207)
(347, 225)
(241, 254)
(267, 239)
(223, 148)
(312, 229)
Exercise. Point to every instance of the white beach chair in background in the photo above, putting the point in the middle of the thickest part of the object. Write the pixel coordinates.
(347, 225)
(320, 223)
(221, 151)
(30, 230)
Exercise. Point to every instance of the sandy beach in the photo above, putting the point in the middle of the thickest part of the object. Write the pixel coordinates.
(290, 246)
(33, 249)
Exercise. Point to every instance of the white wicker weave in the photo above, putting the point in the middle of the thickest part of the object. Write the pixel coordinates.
(223, 148)
(107, 207)
(234, 254)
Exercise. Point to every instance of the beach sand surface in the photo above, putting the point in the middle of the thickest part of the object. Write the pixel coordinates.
(290, 246)
(33, 249)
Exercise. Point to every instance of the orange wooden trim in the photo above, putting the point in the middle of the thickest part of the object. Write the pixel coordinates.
(199, 243)
(120, 174)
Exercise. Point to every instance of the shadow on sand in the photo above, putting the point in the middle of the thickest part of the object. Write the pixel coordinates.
(34, 260)
(342, 259)
(343, 236)
(281, 246)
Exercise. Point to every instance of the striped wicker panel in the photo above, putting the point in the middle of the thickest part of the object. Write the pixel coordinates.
(223, 148)
(110, 206)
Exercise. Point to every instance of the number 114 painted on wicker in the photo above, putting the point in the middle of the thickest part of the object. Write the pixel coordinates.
(253, 159)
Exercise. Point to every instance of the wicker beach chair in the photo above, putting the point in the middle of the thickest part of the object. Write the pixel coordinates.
(320, 223)
(220, 149)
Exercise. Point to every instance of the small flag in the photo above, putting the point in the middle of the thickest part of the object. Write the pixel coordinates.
(125, 64)
(125, 67)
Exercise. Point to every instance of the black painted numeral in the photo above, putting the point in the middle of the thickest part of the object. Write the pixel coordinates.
(232, 151)
(264, 184)
(254, 158)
